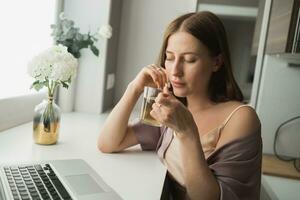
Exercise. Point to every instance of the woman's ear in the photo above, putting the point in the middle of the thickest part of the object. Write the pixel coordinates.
(218, 62)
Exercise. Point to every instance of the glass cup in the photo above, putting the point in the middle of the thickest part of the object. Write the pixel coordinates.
(149, 96)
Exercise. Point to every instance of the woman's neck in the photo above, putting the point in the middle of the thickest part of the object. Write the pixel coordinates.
(198, 103)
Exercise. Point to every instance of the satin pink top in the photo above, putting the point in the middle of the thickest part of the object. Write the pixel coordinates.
(209, 140)
(166, 144)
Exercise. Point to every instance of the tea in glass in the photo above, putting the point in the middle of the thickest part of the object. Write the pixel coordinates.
(148, 99)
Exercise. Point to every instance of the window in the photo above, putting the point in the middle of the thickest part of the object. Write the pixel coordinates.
(25, 32)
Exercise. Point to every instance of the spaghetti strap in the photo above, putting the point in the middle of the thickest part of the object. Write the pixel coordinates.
(236, 109)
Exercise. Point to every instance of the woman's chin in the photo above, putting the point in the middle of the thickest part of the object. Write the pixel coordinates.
(179, 93)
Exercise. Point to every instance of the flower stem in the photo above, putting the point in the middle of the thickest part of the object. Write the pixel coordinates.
(52, 85)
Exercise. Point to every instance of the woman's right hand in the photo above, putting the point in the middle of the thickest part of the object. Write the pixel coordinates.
(152, 76)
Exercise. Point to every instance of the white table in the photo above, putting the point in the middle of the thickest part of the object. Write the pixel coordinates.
(278, 188)
(133, 174)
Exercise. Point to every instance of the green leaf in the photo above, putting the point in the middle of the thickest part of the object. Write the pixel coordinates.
(76, 54)
(82, 43)
(67, 23)
(94, 38)
(67, 43)
(64, 84)
(69, 80)
(94, 50)
(35, 82)
(78, 36)
(38, 85)
(85, 37)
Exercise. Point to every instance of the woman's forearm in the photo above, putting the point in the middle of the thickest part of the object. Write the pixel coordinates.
(199, 180)
(115, 126)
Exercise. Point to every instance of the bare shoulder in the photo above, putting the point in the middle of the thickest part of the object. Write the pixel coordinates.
(243, 122)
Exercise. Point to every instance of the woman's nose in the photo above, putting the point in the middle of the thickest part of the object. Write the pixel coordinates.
(177, 68)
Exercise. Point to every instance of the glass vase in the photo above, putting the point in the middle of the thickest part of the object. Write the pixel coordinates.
(46, 122)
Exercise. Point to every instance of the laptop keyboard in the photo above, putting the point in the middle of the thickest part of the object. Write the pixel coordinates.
(35, 182)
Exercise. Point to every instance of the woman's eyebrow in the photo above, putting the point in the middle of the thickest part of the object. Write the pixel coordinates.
(194, 53)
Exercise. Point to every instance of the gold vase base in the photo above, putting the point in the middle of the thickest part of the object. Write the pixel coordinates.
(43, 142)
(45, 136)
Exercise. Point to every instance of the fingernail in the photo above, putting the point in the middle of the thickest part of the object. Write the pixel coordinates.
(157, 84)
(169, 84)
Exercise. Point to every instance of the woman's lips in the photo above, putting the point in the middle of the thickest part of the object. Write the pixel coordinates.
(177, 84)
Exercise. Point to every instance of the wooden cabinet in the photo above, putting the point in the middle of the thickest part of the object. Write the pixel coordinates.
(283, 33)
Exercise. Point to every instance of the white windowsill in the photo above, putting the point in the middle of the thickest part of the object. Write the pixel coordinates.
(18, 110)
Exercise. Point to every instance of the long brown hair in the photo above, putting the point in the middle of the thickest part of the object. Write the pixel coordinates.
(209, 29)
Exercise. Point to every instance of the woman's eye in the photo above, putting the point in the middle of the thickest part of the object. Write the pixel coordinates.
(190, 60)
(169, 58)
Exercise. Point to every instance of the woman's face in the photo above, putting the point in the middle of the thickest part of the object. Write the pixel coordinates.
(188, 65)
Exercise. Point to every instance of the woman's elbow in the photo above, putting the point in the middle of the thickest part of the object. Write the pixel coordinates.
(104, 147)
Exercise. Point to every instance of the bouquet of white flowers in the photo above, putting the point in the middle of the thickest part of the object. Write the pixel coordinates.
(51, 68)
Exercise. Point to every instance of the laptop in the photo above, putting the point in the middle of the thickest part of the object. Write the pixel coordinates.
(53, 180)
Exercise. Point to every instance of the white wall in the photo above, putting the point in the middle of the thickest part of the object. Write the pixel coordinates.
(89, 16)
(278, 101)
(142, 25)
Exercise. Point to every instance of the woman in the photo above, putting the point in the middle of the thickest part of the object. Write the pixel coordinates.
(210, 141)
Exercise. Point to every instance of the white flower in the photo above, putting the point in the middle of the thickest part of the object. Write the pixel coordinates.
(105, 31)
(59, 49)
(54, 64)
(62, 16)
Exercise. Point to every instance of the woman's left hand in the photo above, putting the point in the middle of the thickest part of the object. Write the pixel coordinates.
(170, 112)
